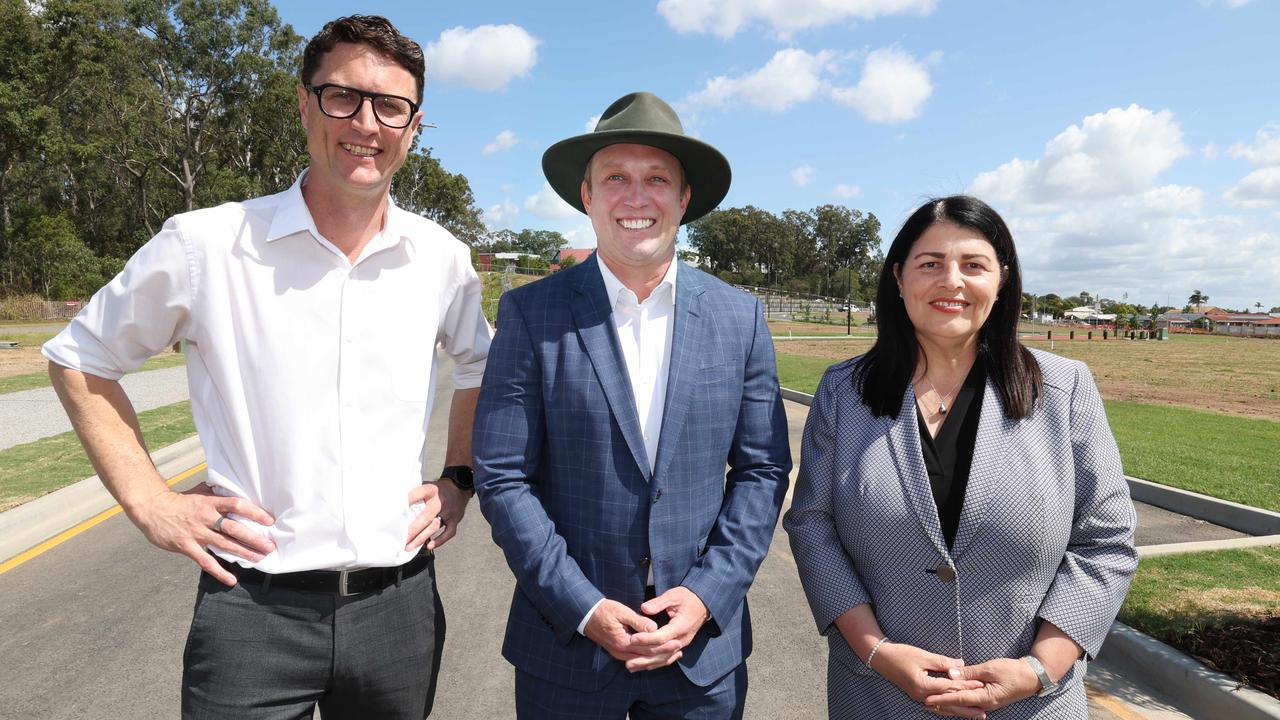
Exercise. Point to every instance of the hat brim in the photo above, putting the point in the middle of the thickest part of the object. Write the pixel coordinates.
(705, 169)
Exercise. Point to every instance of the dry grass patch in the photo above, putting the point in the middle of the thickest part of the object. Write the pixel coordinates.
(1238, 376)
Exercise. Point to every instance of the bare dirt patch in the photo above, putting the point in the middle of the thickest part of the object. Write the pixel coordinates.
(1238, 376)
(23, 361)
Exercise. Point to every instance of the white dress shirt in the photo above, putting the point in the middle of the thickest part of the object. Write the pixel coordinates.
(644, 334)
(311, 378)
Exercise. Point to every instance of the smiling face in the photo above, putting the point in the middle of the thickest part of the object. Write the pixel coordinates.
(356, 155)
(635, 202)
(949, 283)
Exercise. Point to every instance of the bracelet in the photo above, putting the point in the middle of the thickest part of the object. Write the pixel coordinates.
(874, 648)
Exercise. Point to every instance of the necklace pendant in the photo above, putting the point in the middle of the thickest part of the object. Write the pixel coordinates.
(942, 408)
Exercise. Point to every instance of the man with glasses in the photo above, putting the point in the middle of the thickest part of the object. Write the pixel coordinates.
(310, 319)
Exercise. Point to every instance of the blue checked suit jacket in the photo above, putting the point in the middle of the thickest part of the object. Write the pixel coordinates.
(1046, 531)
(563, 478)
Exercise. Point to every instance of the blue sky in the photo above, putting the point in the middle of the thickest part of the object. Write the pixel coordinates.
(1133, 146)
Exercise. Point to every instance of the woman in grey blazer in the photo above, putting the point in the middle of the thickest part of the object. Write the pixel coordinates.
(961, 523)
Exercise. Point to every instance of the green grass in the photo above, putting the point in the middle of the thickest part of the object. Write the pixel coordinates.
(36, 468)
(1177, 594)
(1223, 456)
(38, 380)
(801, 372)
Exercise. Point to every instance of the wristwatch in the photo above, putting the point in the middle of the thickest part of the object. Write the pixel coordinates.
(1046, 685)
(461, 476)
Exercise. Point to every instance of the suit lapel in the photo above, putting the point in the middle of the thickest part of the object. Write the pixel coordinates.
(593, 315)
(994, 430)
(682, 372)
(904, 437)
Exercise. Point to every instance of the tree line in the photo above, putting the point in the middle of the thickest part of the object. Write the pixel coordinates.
(116, 114)
(830, 250)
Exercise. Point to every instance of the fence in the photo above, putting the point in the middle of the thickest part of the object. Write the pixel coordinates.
(33, 308)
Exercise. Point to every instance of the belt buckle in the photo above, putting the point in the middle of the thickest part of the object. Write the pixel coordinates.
(342, 584)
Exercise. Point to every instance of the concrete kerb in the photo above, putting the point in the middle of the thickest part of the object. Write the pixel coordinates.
(30, 524)
(1185, 681)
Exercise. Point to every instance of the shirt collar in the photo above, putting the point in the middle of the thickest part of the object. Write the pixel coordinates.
(613, 287)
(292, 216)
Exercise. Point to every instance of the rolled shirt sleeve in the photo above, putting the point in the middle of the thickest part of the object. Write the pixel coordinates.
(464, 331)
(142, 311)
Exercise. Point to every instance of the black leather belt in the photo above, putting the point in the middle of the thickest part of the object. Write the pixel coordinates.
(339, 582)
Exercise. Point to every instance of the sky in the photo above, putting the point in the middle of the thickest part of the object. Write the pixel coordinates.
(1133, 147)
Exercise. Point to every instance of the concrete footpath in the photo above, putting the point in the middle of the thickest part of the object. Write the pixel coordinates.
(41, 414)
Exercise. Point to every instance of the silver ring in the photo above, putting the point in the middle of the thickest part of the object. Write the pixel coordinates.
(217, 524)
(443, 520)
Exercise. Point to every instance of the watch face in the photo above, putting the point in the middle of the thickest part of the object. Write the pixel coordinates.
(460, 475)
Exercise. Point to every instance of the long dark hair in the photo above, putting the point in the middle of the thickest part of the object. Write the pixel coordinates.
(885, 371)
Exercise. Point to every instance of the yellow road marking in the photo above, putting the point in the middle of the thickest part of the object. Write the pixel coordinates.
(66, 535)
(1113, 705)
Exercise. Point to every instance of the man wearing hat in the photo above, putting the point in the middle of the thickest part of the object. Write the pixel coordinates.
(616, 394)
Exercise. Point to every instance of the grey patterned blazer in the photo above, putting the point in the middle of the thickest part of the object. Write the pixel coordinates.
(1046, 531)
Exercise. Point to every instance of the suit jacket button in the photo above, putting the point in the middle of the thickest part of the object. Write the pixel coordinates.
(644, 562)
(945, 572)
(657, 494)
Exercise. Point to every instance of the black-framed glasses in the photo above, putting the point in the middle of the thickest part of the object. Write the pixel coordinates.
(341, 102)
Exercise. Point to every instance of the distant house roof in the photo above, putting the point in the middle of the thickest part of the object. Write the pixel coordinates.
(1085, 312)
(578, 254)
(1225, 318)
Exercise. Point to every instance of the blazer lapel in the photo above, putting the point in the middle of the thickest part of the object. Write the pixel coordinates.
(994, 431)
(904, 439)
(682, 372)
(593, 314)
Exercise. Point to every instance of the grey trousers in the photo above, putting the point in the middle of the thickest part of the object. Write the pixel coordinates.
(278, 654)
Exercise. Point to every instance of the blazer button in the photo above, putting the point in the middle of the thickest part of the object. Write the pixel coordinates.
(644, 562)
(945, 572)
(657, 494)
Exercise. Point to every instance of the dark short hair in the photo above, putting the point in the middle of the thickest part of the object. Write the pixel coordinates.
(373, 30)
(885, 371)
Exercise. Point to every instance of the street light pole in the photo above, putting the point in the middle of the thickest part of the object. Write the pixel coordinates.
(848, 305)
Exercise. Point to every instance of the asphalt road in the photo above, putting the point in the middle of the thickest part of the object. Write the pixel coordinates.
(95, 627)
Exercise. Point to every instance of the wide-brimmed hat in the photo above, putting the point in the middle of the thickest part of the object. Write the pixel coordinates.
(643, 119)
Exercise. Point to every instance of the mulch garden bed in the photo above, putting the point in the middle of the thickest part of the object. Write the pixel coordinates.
(1248, 651)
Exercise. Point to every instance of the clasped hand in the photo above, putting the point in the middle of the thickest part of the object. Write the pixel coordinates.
(967, 691)
(636, 640)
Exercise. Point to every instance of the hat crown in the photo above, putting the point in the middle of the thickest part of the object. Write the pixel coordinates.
(640, 111)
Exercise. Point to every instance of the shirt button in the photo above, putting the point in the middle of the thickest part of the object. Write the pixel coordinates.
(945, 572)
(644, 562)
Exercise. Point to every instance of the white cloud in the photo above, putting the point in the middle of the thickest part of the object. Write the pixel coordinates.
(791, 76)
(1265, 149)
(591, 123)
(501, 215)
(487, 57)
(725, 18)
(802, 175)
(505, 140)
(847, 192)
(1118, 152)
(1260, 188)
(1091, 213)
(1209, 152)
(893, 88)
(548, 205)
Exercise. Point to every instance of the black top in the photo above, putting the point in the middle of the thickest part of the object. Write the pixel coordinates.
(948, 456)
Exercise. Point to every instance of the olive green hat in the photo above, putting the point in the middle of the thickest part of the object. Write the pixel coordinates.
(643, 119)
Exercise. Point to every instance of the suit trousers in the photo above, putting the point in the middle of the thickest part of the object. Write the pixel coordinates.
(645, 695)
(277, 654)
